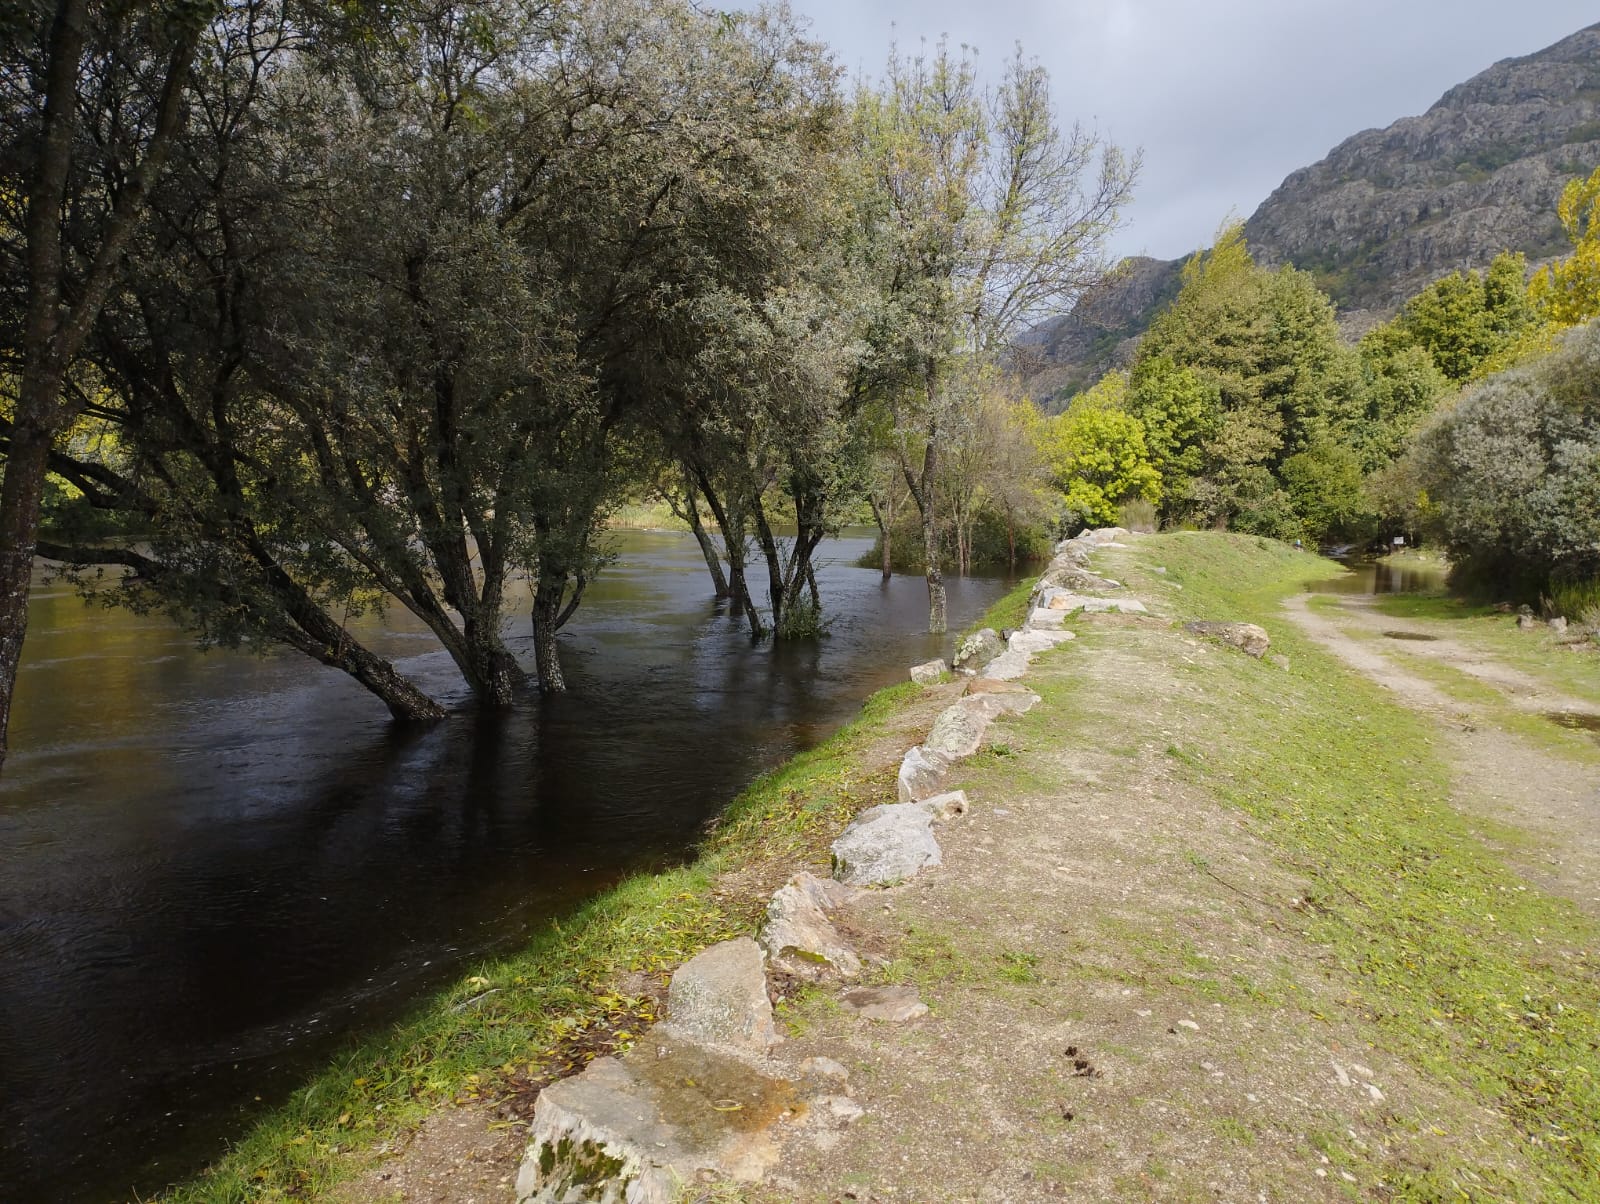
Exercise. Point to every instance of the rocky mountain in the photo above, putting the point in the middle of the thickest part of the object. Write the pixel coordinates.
(1390, 210)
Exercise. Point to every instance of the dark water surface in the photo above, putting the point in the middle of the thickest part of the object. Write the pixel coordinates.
(213, 867)
(1376, 577)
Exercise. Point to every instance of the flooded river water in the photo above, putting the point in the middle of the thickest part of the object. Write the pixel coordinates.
(215, 867)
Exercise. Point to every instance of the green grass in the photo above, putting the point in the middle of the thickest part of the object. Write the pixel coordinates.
(1008, 611)
(1486, 983)
(552, 1006)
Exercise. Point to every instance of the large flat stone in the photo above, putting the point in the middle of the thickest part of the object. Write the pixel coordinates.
(992, 706)
(929, 672)
(1033, 642)
(634, 1130)
(1246, 637)
(1008, 666)
(719, 997)
(886, 845)
(892, 1004)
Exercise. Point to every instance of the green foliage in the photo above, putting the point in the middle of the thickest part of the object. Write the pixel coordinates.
(1462, 320)
(1513, 471)
(1325, 485)
(1180, 411)
(1244, 370)
(1099, 460)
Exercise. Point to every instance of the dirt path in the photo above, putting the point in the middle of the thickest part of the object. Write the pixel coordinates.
(1125, 1005)
(1500, 774)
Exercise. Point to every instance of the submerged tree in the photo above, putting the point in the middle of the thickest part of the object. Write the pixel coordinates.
(92, 97)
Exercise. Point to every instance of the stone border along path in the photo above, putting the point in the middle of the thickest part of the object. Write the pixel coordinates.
(700, 1091)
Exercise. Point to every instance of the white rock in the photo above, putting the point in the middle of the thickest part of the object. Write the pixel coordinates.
(921, 775)
(885, 845)
(719, 997)
(929, 672)
(799, 937)
(945, 806)
(1008, 666)
(634, 1130)
(1032, 642)
(958, 731)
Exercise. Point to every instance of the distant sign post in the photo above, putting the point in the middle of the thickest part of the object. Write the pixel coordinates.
(1399, 541)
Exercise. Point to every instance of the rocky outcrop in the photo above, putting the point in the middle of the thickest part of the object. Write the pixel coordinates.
(1389, 210)
(1246, 637)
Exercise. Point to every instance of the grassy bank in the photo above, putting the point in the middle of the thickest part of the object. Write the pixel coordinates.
(1451, 959)
(512, 1024)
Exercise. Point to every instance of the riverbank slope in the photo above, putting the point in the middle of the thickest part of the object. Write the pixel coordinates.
(1215, 926)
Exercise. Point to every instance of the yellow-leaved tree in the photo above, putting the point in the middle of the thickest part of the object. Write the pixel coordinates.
(1567, 292)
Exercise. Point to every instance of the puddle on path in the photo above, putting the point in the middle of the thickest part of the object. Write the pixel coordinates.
(1575, 721)
(1408, 635)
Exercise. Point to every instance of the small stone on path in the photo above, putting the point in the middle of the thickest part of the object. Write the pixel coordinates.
(894, 1004)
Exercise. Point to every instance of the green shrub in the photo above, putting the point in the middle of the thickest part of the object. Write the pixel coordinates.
(1513, 474)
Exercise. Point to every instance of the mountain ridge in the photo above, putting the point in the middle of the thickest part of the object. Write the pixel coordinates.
(1387, 210)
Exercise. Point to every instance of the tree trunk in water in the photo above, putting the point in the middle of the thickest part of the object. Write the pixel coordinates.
(491, 670)
(20, 497)
(406, 703)
(884, 517)
(938, 621)
(546, 617)
(708, 549)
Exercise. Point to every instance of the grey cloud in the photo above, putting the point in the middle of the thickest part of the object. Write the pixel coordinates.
(1225, 98)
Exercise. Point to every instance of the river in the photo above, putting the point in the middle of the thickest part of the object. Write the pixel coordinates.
(215, 867)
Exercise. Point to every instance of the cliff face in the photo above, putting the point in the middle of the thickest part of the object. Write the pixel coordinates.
(1478, 173)
(1389, 210)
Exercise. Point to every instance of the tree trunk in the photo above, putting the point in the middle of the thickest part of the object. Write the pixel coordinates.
(924, 495)
(490, 669)
(546, 619)
(1011, 541)
(20, 497)
(406, 703)
(884, 517)
(708, 549)
(938, 621)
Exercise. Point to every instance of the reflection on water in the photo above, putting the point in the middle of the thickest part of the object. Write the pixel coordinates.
(1378, 577)
(214, 866)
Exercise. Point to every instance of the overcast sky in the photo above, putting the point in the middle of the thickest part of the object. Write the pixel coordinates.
(1226, 97)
